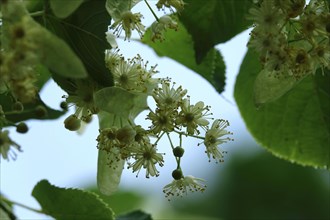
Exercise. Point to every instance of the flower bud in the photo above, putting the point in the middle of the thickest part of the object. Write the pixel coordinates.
(178, 151)
(64, 106)
(72, 123)
(18, 106)
(22, 128)
(40, 111)
(177, 174)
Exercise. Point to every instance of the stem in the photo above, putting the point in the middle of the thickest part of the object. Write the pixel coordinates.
(22, 205)
(160, 136)
(152, 11)
(195, 136)
(37, 13)
(10, 214)
(169, 138)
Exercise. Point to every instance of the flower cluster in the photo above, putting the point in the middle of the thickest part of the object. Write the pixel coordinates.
(173, 114)
(292, 39)
(128, 21)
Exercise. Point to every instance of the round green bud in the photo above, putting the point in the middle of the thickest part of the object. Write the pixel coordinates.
(72, 123)
(177, 174)
(64, 106)
(40, 111)
(178, 151)
(18, 106)
(22, 128)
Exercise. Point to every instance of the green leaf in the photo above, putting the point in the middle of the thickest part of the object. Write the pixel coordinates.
(212, 68)
(120, 102)
(116, 7)
(29, 112)
(84, 31)
(214, 21)
(64, 10)
(62, 203)
(268, 87)
(135, 215)
(122, 201)
(295, 127)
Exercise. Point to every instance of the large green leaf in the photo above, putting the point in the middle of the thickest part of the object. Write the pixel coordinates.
(179, 46)
(84, 31)
(214, 21)
(62, 203)
(63, 11)
(296, 126)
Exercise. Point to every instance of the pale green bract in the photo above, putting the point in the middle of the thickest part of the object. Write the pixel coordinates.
(118, 107)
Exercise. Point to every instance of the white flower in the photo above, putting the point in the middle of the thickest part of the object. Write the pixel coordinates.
(183, 185)
(128, 22)
(7, 145)
(159, 27)
(162, 120)
(177, 4)
(192, 116)
(83, 98)
(126, 75)
(167, 97)
(146, 157)
(215, 137)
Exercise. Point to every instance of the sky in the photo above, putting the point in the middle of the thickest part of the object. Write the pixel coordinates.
(68, 159)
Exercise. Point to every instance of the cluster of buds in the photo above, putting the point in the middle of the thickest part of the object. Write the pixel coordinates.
(291, 38)
(17, 64)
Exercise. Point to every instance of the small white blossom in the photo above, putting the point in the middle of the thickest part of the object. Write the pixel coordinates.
(182, 186)
(192, 116)
(168, 97)
(128, 22)
(146, 157)
(214, 137)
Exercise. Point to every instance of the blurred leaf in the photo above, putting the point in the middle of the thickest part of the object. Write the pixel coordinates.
(296, 127)
(62, 203)
(6, 209)
(29, 110)
(116, 7)
(64, 10)
(84, 31)
(261, 186)
(268, 88)
(214, 21)
(178, 45)
(135, 215)
(120, 102)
